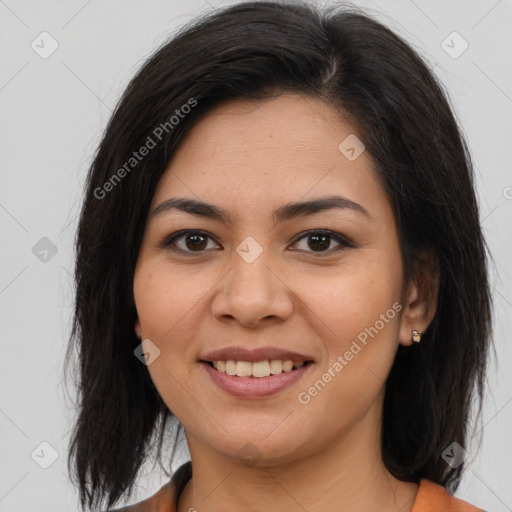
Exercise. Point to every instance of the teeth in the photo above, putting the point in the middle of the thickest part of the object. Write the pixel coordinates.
(287, 366)
(243, 369)
(276, 367)
(258, 369)
(261, 369)
(230, 367)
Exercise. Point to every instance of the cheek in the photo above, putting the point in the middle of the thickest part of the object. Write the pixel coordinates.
(164, 298)
(353, 296)
(167, 305)
(355, 311)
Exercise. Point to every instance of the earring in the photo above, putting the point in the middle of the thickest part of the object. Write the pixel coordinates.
(416, 336)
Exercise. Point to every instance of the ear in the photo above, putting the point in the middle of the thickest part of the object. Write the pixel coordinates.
(138, 331)
(420, 297)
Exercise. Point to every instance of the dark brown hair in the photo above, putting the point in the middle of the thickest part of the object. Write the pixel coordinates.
(361, 68)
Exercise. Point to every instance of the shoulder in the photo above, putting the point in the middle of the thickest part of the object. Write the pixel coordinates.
(432, 497)
(152, 504)
(166, 498)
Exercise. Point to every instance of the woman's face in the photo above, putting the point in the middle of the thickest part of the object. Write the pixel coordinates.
(258, 284)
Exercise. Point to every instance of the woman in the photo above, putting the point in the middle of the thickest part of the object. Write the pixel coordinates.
(280, 247)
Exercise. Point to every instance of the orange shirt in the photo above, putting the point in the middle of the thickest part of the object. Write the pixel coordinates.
(431, 497)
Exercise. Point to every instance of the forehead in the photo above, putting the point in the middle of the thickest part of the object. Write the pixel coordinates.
(269, 152)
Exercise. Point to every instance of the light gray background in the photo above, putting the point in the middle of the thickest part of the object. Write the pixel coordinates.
(53, 112)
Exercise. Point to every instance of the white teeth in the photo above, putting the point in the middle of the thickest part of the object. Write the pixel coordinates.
(261, 369)
(257, 369)
(230, 367)
(276, 367)
(287, 366)
(243, 369)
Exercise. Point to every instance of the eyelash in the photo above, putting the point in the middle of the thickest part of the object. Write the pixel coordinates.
(168, 242)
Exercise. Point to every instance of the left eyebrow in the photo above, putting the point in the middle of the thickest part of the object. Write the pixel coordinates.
(284, 213)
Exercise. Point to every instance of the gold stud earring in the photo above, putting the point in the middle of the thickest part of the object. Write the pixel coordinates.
(416, 336)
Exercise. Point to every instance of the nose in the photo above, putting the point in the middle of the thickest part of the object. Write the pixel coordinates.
(253, 293)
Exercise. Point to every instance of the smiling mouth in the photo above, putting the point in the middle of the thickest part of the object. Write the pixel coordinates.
(257, 369)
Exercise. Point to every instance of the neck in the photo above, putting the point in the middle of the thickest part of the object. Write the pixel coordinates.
(348, 476)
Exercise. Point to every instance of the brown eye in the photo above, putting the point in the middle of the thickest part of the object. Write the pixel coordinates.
(187, 241)
(194, 242)
(320, 242)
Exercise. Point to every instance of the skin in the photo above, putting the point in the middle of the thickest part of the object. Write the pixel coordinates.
(251, 158)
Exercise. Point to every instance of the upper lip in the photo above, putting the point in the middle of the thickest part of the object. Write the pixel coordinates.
(252, 355)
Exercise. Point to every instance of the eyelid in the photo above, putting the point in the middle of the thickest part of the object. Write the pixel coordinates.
(342, 240)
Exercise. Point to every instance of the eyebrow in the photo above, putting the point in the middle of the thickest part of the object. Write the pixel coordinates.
(283, 213)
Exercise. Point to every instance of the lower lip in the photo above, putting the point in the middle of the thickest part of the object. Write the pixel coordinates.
(255, 387)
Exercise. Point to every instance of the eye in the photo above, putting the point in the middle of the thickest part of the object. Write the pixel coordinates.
(187, 241)
(320, 240)
(194, 241)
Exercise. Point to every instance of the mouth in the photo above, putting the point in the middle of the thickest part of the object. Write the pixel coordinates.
(256, 369)
(257, 373)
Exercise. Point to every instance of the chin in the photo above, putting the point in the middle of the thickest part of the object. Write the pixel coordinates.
(254, 449)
